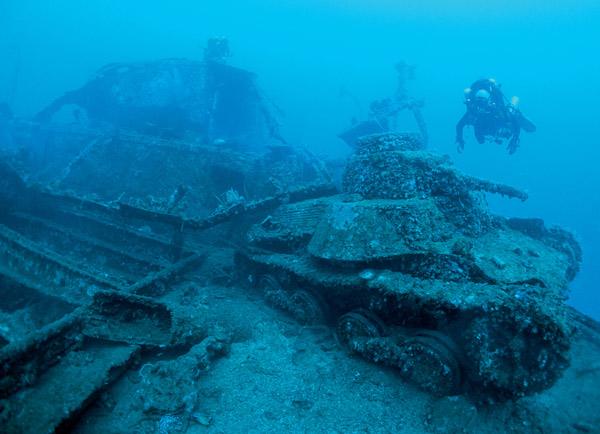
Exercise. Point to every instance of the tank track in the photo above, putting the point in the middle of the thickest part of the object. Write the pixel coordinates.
(491, 344)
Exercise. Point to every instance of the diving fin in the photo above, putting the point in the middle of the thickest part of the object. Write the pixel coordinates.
(526, 124)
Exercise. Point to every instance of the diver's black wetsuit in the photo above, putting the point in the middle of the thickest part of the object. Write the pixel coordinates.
(491, 118)
(490, 123)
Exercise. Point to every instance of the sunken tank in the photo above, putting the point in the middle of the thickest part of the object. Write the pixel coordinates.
(413, 272)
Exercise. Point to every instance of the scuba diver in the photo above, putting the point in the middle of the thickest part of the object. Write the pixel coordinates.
(492, 116)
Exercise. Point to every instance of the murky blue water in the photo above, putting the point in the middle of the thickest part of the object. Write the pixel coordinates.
(323, 62)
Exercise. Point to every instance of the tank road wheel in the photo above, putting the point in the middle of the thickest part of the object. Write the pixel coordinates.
(508, 360)
(308, 308)
(268, 282)
(358, 324)
(273, 291)
(431, 363)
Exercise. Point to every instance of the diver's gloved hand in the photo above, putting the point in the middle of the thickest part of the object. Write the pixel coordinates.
(512, 147)
(460, 146)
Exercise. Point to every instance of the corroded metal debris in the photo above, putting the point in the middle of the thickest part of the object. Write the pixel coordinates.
(103, 260)
(75, 276)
